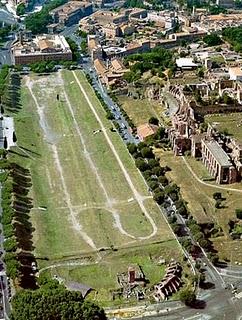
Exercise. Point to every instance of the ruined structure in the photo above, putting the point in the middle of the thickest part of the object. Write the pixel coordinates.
(170, 283)
(222, 156)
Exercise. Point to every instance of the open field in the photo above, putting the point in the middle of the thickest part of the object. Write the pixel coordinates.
(82, 173)
(140, 111)
(200, 197)
(232, 123)
(146, 256)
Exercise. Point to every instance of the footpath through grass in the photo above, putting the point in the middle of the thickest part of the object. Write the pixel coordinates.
(51, 125)
(80, 192)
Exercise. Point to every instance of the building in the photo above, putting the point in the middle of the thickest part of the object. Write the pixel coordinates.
(217, 161)
(41, 48)
(103, 17)
(225, 3)
(71, 12)
(111, 31)
(170, 283)
(146, 130)
(235, 73)
(186, 63)
(138, 46)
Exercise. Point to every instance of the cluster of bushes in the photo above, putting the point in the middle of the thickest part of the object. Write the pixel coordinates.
(158, 60)
(53, 301)
(4, 32)
(10, 243)
(234, 36)
(150, 167)
(74, 48)
(17, 228)
(212, 39)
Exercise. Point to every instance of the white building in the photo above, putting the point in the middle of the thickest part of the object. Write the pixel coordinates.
(186, 63)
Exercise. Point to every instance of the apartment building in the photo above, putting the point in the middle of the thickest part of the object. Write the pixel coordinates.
(71, 12)
(41, 48)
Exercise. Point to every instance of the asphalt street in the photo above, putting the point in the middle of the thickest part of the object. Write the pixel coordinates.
(6, 16)
(5, 52)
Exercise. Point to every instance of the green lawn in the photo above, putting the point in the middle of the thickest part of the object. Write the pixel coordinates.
(103, 276)
(76, 175)
(141, 110)
(232, 123)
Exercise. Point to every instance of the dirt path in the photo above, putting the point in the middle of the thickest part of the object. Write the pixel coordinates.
(69, 264)
(76, 225)
(109, 201)
(136, 194)
(208, 184)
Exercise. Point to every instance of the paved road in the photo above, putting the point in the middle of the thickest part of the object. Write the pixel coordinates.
(6, 16)
(5, 55)
(125, 128)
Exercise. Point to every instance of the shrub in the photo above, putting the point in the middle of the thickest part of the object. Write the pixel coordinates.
(154, 121)
(141, 164)
(217, 195)
(238, 213)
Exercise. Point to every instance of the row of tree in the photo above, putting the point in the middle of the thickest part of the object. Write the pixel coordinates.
(53, 301)
(4, 72)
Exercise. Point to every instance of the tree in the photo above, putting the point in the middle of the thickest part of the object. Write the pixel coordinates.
(163, 180)
(53, 302)
(21, 9)
(141, 164)
(212, 39)
(132, 148)
(159, 197)
(238, 213)
(5, 143)
(158, 171)
(14, 137)
(213, 257)
(153, 184)
(187, 296)
(147, 152)
(154, 121)
(217, 195)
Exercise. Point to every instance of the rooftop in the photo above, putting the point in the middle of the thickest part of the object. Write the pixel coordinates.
(219, 154)
(237, 71)
(42, 44)
(185, 62)
(75, 286)
(146, 130)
